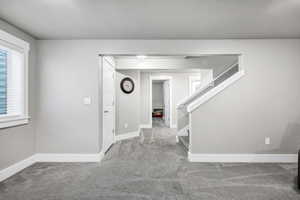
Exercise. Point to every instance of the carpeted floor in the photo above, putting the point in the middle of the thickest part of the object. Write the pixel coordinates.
(150, 167)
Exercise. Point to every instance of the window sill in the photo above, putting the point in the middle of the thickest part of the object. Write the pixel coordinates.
(7, 122)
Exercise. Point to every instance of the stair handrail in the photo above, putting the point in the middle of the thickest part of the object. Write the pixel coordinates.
(200, 90)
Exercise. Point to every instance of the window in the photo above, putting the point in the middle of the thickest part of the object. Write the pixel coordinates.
(204, 79)
(195, 83)
(13, 81)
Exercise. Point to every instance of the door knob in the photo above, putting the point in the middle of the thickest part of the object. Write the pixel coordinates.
(106, 111)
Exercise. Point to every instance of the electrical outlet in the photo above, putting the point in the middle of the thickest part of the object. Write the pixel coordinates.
(267, 140)
(125, 125)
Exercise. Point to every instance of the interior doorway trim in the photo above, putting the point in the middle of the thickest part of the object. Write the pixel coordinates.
(162, 78)
(110, 61)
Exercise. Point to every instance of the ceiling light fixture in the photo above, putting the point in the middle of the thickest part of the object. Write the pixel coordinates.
(141, 57)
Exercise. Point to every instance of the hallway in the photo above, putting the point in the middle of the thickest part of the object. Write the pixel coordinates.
(154, 167)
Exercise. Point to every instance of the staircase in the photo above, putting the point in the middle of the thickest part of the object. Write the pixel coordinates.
(184, 109)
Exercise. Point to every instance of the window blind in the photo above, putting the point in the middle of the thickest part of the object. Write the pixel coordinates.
(14, 57)
(11, 81)
(3, 82)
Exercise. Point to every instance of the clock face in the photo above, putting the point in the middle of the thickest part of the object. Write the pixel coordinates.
(127, 85)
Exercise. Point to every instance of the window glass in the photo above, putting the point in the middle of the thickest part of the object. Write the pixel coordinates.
(11, 82)
(195, 85)
(3, 82)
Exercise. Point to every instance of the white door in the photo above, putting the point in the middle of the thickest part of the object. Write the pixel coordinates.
(167, 102)
(108, 91)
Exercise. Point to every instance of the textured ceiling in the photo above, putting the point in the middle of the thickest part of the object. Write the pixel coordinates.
(155, 19)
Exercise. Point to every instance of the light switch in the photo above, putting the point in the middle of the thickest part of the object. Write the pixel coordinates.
(267, 140)
(87, 100)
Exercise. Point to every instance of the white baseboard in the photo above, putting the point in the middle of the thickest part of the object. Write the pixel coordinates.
(146, 126)
(49, 157)
(45, 157)
(173, 126)
(244, 158)
(15, 168)
(127, 135)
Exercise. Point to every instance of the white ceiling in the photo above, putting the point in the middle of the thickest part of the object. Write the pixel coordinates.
(155, 19)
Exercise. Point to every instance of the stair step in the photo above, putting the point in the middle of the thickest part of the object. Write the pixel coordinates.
(185, 141)
(184, 131)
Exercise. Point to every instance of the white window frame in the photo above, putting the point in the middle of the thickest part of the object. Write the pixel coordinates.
(6, 121)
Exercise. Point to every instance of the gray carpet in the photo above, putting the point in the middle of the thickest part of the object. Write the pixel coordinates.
(150, 167)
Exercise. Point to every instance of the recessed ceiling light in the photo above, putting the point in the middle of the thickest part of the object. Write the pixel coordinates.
(141, 56)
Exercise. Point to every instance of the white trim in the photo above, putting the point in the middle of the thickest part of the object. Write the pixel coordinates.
(243, 158)
(49, 157)
(205, 97)
(191, 80)
(16, 121)
(183, 131)
(115, 101)
(128, 135)
(190, 131)
(167, 78)
(15, 168)
(145, 126)
(192, 97)
(111, 62)
(12, 42)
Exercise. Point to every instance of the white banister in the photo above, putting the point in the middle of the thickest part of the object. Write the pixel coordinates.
(205, 97)
(199, 93)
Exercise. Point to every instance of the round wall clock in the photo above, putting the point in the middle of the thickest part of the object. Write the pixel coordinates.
(127, 85)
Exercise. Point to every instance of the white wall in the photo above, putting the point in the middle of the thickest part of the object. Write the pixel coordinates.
(68, 72)
(127, 105)
(18, 143)
(157, 95)
(265, 103)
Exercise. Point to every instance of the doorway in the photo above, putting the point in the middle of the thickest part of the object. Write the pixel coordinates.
(161, 101)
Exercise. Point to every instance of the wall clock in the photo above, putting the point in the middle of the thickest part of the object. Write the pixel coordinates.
(127, 85)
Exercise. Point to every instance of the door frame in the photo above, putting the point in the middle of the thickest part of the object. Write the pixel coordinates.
(111, 62)
(168, 91)
(162, 78)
